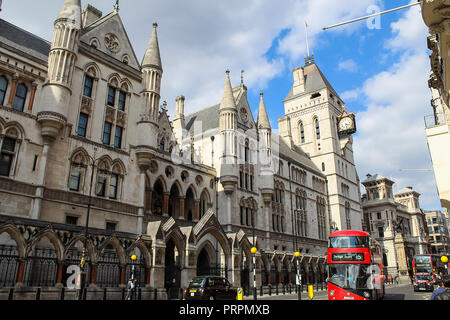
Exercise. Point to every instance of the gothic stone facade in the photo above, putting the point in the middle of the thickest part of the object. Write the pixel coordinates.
(82, 130)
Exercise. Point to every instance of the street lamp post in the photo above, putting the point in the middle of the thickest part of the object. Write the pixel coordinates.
(254, 251)
(133, 291)
(299, 279)
(82, 275)
(444, 260)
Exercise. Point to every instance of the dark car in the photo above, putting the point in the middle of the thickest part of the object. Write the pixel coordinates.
(423, 282)
(210, 288)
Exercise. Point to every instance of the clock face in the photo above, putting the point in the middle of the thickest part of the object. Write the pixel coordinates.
(345, 124)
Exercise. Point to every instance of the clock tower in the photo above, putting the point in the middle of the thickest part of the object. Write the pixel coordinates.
(317, 121)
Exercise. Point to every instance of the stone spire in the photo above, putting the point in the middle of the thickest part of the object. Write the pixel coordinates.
(263, 119)
(71, 11)
(152, 56)
(227, 96)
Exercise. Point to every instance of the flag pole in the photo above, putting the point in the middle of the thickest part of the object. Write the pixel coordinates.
(372, 15)
(307, 41)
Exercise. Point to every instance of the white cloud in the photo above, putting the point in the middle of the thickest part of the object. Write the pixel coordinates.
(391, 130)
(348, 65)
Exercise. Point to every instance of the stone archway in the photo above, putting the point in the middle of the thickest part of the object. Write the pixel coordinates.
(172, 272)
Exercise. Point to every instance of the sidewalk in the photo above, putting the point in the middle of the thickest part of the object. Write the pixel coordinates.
(318, 295)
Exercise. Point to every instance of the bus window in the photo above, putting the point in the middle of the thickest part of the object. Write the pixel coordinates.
(348, 242)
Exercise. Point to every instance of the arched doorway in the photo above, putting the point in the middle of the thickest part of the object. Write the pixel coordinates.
(174, 202)
(203, 263)
(157, 198)
(172, 274)
(108, 268)
(189, 205)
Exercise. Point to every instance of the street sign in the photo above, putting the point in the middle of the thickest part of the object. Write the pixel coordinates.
(240, 294)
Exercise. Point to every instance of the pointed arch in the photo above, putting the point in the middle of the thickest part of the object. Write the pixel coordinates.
(52, 237)
(15, 234)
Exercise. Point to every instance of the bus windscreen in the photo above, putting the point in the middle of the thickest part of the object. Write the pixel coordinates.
(348, 242)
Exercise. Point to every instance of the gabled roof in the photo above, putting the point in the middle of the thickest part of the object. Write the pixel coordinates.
(314, 81)
(111, 23)
(23, 41)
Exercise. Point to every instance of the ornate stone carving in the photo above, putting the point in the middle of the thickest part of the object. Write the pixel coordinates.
(110, 114)
(121, 117)
(112, 42)
(86, 105)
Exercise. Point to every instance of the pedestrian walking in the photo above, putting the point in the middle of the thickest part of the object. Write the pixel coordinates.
(396, 279)
(443, 292)
(130, 288)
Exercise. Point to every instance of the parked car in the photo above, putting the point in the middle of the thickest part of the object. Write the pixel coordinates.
(210, 288)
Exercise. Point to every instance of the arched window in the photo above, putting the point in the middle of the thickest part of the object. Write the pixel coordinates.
(3, 87)
(247, 152)
(302, 132)
(7, 155)
(316, 124)
(347, 215)
(20, 97)
(77, 172)
(88, 86)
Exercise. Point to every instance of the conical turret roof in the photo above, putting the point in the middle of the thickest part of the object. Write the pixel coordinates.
(71, 11)
(263, 119)
(152, 56)
(227, 97)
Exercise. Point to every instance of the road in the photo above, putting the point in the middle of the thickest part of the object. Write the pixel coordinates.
(393, 292)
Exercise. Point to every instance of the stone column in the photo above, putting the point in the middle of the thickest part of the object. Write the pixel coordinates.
(166, 204)
(20, 272)
(59, 274)
(12, 93)
(36, 207)
(401, 259)
(32, 95)
(197, 210)
(181, 209)
(93, 274)
(157, 269)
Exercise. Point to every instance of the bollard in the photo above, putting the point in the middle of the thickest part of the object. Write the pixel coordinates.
(61, 296)
(262, 291)
(140, 294)
(11, 294)
(104, 294)
(156, 294)
(284, 289)
(270, 290)
(84, 293)
(38, 294)
(276, 290)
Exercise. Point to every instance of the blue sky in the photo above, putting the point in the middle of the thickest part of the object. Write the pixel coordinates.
(381, 73)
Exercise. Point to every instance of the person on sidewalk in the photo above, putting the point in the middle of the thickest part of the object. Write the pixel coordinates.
(130, 287)
(443, 292)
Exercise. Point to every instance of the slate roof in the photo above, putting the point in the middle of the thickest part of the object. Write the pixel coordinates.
(314, 81)
(19, 40)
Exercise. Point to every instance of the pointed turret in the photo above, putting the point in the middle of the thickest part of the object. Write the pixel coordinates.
(61, 64)
(263, 119)
(227, 128)
(71, 11)
(148, 123)
(152, 56)
(228, 101)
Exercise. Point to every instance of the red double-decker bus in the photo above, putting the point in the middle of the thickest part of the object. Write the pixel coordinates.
(426, 268)
(355, 266)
